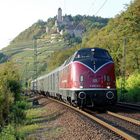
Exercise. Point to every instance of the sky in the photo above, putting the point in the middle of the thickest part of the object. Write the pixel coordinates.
(18, 15)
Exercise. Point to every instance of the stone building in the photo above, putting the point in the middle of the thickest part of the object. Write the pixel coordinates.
(64, 24)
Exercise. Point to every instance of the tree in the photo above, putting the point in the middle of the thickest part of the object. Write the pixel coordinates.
(9, 90)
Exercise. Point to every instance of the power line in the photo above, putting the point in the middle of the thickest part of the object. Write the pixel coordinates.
(95, 12)
(92, 4)
(99, 10)
(101, 7)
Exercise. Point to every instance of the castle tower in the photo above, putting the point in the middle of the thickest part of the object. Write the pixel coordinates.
(59, 15)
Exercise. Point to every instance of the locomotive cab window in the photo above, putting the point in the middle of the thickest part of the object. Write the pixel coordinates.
(84, 54)
(91, 54)
(100, 54)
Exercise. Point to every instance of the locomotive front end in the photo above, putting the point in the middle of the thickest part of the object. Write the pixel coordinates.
(94, 77)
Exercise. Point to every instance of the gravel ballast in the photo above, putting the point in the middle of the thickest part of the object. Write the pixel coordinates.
(62, 123)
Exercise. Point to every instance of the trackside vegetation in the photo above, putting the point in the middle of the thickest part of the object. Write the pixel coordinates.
(132, 93)
(12, 105)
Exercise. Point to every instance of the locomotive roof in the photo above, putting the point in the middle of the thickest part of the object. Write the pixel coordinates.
(71, 58)
(97, 49)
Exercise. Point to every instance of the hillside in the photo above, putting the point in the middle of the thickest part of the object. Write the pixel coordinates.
(21, 49)
(38, 29)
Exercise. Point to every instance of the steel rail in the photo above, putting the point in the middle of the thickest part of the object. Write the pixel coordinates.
(129, 106)
(104, 124)
(131, 120)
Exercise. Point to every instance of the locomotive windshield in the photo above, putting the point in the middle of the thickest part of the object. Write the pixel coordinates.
(103, 54)
(92, 53)
(83, 54)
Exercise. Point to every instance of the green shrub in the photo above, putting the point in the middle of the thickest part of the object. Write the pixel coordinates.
(133, 81)
(18, 114)
(6, 101)
(10, 95)
(132, 88)
(15, 88)
(23, 105)
(8, 133)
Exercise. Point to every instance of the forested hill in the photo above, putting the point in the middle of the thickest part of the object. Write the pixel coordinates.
(123, 30)
(21, 49)
(38, 29)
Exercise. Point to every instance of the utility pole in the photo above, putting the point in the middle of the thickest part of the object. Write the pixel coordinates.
(35, 64)
(123, 90)
(26, 83)
(35, 84)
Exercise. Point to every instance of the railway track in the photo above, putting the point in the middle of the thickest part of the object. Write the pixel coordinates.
(120, 130)
(125, 124)
(128, 106)
(131, 120)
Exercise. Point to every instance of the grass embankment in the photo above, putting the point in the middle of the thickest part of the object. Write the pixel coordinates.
(30, 126)
(39, 123)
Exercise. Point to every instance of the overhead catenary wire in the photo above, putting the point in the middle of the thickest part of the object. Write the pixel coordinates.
(95, 12)
(101, 7)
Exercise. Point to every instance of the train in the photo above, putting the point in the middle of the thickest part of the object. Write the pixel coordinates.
(87, 78)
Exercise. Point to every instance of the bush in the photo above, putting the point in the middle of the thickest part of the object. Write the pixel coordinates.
(22, 105)
(132, 88)
(133, 80)
(8, 133)
(6, 101)
(15, 88)
(10, 95)
(18, 114)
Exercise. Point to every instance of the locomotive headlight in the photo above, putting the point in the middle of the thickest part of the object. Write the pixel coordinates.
(81, 81)
(108, 87)
(81, 78)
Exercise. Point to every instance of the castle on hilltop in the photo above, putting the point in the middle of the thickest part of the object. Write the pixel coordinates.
(65, 24)
(62, 20)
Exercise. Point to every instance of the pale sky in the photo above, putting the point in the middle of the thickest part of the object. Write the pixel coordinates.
(18, 15)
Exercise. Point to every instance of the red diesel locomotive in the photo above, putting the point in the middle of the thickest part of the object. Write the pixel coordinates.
(87, 78)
